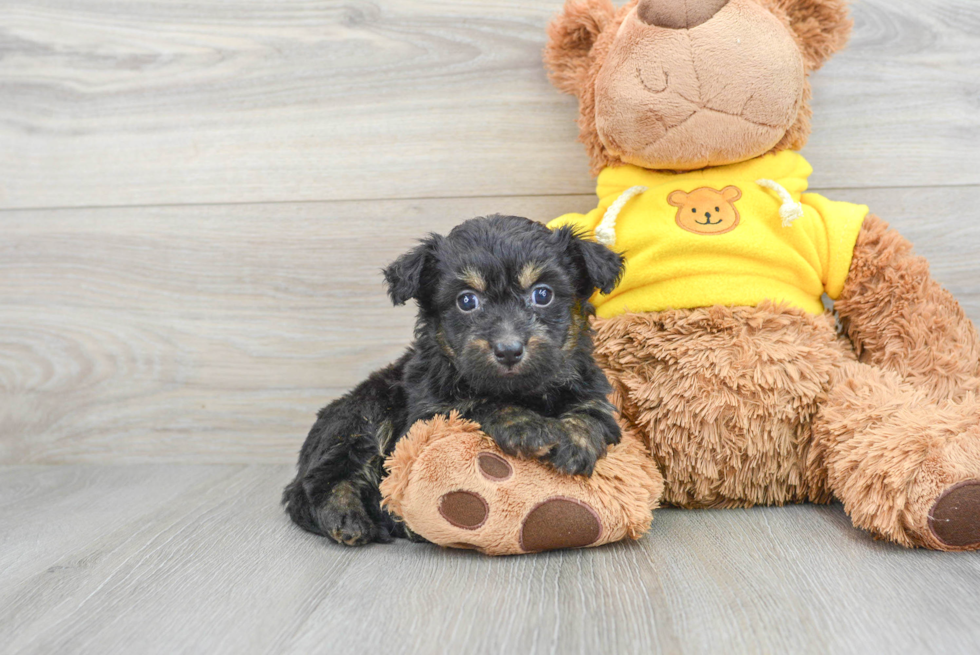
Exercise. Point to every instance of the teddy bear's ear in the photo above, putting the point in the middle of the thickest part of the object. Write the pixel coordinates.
(571, 35)
(821, 26)
(677, 198)
(731, 193)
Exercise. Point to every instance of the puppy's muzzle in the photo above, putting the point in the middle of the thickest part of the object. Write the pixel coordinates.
(508, 353)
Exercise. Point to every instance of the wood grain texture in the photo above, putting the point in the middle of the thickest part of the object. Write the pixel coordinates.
(233, 288)
(159, 102)
(214, 333)
(212, 565)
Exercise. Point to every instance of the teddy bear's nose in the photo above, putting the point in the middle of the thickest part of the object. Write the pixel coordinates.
(678, 14)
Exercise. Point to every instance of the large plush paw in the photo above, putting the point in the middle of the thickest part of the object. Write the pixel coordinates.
(453, 485)
(955, 517)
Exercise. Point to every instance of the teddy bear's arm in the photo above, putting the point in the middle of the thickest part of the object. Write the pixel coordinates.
(898, 317)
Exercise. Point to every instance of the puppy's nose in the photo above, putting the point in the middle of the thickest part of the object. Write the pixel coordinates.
(508, 353)
(678, 14)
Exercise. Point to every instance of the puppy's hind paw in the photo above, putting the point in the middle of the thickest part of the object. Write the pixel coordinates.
(351, 528)
(344, 519)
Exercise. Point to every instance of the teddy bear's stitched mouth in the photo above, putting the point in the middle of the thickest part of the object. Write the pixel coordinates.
(708, 222)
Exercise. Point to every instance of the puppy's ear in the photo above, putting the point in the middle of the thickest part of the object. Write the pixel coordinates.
(598, 266)
(404, 276)
(571, 35)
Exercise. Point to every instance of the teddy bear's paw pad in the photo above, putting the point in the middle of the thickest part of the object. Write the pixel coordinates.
(464, 509)
(560, 523)
(955, 517)
(494, 467)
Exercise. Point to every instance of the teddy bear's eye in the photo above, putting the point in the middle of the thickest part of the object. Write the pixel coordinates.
(694, 210)
(717, 210)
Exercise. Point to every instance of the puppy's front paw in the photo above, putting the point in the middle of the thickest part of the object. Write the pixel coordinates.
(583, 442)
(522, 432)
(344, 519)
(573, 458)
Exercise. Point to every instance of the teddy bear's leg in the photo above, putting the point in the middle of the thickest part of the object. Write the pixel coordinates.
(902, 435)
(905, 465)
(900, 319)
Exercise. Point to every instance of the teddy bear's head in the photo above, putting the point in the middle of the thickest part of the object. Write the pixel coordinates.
(685, 84)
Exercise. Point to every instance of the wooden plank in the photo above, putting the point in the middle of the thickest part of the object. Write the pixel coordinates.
(215, 566)
(169, 102)
(213, 333)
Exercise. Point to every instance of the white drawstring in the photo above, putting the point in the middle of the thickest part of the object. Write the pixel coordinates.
(790, 209)
(606, 232)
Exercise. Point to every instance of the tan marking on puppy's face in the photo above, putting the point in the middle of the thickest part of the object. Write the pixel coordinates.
(574, 330)
(474, 279)
(529, 275)
(444, 344)
(707, 211)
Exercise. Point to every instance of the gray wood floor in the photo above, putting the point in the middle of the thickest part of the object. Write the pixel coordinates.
(195, 203)
(197, 558)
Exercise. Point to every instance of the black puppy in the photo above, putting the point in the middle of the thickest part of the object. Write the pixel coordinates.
(502, 336)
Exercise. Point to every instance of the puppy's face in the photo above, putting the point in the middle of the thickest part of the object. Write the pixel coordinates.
(505, 299)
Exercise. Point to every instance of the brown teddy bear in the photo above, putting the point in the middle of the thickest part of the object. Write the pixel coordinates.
(717, 344)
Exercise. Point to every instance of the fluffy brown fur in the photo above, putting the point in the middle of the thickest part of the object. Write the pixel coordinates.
(726, 396)
(899, 318)
(888, 451)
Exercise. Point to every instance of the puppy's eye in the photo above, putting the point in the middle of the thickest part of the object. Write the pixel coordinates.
(467, 301)
(542, 295)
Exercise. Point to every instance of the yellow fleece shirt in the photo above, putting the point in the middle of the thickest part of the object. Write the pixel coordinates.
(716, 237)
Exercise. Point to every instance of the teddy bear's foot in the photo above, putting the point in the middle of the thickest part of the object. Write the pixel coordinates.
(955, 517)
(452, 485)
(555, 523)
(906, 467)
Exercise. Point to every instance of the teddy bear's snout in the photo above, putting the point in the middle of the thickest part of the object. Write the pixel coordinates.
(678, 14)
